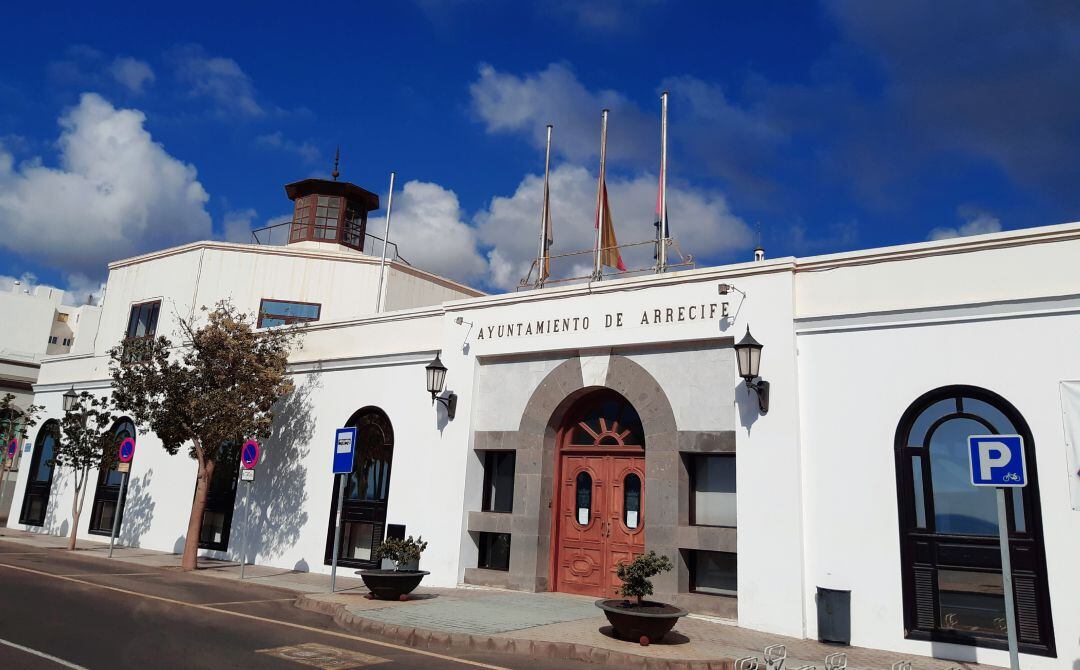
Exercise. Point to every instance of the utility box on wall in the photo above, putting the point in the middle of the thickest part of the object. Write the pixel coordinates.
(834, 615)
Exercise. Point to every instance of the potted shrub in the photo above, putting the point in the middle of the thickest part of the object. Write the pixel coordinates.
(639, 619)
(396, 584)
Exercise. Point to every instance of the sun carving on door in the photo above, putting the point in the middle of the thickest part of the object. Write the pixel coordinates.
(608, 424)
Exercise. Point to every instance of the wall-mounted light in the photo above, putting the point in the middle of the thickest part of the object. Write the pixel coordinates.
(69, 399)
(748, 355)
(436, 379)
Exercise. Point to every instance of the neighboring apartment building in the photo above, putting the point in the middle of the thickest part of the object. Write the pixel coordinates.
(37, 324)
(598, 420)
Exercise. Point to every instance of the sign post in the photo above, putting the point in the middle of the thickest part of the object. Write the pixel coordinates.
(344, 457)
(998, 461)
(124, 456)
(249, 458)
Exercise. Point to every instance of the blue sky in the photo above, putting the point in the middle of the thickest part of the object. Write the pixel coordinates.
(826, 126)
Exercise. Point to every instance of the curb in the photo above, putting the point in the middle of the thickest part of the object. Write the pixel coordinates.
(422, 638)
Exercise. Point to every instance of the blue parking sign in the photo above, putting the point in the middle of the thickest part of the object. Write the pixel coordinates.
(997, 460)
(344, 450)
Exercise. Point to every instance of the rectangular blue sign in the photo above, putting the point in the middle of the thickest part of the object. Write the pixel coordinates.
(344, 450)
(997, 460)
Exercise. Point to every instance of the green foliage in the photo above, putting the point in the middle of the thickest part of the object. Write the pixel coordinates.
(86, 442)
(401, 551)
(217, 388)
(14, 421)
(637, 575)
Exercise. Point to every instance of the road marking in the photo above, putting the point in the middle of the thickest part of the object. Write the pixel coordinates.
(41, 654)
(245, 602)
(110, 574)
(253, 617)
(323, 656)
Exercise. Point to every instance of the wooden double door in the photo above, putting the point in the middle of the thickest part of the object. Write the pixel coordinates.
(600, 522)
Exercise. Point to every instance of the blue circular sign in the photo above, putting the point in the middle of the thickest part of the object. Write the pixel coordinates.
(249, 454)
(13, 446)
(127, 450)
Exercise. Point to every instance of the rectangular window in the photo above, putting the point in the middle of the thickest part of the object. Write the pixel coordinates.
(712, 480)
(52, 339)
(61, 317)
(714, 572)
(356, 544)
(284, 312)
(973, 602)
(494, 551)
(498, 481)
(143, 319)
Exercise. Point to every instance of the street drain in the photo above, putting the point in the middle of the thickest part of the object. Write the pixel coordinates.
(323, 656)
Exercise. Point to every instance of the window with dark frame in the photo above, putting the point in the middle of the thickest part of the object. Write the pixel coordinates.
(494, 551)
(286, 312)
(142, 327)
(714, 572)
(712, 490)
(498, 481)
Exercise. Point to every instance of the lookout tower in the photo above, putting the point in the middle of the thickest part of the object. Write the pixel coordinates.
(330, 212)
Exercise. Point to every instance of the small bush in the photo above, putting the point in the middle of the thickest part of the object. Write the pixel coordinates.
(636, 575)
(401, 551)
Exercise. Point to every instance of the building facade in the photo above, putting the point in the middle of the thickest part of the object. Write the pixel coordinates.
(594, 422)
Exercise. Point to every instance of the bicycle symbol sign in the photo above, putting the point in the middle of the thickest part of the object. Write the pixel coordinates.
(997, 460)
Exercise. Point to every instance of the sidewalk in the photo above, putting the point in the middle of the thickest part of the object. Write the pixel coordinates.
(548, 625)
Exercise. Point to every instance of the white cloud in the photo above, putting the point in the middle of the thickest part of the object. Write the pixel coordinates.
(507, 103)
(131, 73)
(116, 193)
(237, 225)
(305, 150)
(429, 227)
(700, 220)
(218, 78)
(977, 223)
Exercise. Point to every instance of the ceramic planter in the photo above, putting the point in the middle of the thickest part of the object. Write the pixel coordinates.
(392, 584)
(645, 623)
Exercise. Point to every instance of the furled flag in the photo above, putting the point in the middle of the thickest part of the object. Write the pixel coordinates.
(609, 246)
(549, 237)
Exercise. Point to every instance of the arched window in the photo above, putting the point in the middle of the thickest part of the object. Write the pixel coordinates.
(953, 587)
(583, 485)
(367, 490)
(107, 493)
(608, 420)
(39, 479)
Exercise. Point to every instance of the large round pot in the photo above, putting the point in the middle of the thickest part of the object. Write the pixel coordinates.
(647, 622)
(392, 584)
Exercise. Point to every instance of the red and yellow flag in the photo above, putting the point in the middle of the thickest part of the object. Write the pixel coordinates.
(609, 246)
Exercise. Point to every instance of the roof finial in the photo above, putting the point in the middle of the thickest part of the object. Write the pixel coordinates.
(337, 157)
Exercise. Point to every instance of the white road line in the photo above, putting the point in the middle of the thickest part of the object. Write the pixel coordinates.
(41, 654)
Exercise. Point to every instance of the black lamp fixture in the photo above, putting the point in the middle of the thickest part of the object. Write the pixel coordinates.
(69, 399)
(748, 355)
(436, 379)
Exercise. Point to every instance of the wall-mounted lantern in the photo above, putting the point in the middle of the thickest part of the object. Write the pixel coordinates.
(436, 379)
(69, 399)
(748, 354)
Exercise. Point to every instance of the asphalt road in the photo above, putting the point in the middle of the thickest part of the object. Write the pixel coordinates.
(63, 610)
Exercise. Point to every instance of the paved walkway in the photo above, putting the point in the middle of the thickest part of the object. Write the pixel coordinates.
(552, 625)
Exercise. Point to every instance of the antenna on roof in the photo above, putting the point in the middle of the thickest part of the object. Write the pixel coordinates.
(759, 251)
(337, 157)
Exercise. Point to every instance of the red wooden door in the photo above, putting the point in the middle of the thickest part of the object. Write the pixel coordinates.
(582, 522)
(625, 536)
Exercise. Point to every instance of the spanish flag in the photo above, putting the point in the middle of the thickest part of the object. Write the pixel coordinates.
(609, 246)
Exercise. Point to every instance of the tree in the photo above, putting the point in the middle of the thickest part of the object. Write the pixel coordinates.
(14, 423)
(211, 392)
(86, 443)
(637, 575)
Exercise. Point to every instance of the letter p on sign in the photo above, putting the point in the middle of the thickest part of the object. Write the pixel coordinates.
(997, 460)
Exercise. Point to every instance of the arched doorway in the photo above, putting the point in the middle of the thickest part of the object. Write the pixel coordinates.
(600, 497)
(39, 479)
(953, 587)
(107, 491)
(363, 512)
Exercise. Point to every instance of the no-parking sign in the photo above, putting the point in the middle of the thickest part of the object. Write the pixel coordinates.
(249, 454)
(12, 447)
(127, 450)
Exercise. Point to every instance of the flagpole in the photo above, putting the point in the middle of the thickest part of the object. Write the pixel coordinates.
(386, 234)
(597, 274)
(544, 214)
(662, 252)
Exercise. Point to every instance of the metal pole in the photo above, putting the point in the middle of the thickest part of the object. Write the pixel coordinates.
(243, 531)
(662, 255)
(597, 264)
(1006, 574)
(116, 511)
(542, 255)
(337, 534)
(385, 237)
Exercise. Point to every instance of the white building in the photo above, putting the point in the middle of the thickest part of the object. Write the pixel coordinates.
(595, 421)
(37, 324)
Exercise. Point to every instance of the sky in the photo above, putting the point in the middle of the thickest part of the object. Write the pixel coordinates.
(812, 127)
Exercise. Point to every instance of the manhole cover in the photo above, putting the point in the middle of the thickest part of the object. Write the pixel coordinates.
(323, 656)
